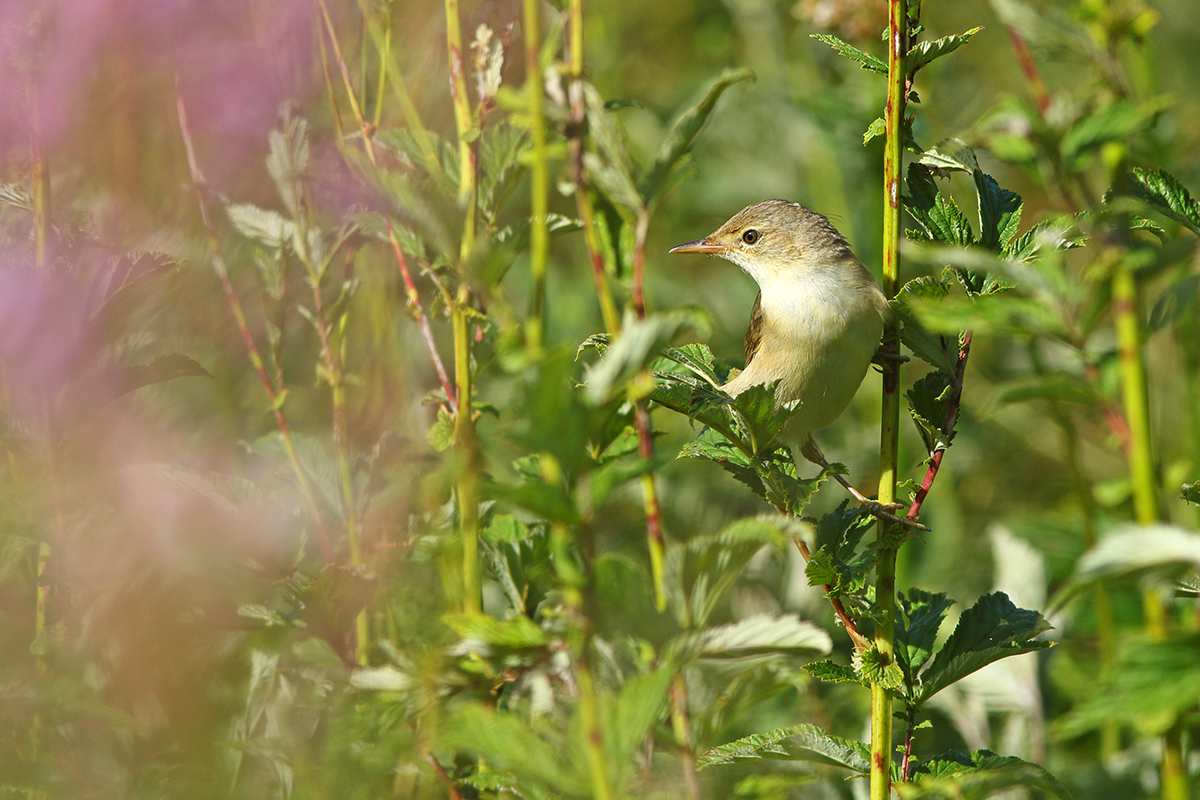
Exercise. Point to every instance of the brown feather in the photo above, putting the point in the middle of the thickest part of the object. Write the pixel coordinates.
(755, 332)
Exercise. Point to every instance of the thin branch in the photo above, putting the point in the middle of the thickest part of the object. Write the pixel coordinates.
(198, 184)
(414, 303)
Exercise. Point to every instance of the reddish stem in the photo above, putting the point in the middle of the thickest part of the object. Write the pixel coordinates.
(1037, 87)
(935, 460)
(860, 642)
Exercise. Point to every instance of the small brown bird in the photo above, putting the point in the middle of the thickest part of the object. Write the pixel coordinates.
(818, 318)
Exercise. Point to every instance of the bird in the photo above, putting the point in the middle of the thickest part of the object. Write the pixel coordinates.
(817, 321)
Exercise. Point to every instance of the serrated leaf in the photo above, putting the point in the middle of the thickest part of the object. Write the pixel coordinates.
(1163, 190)
(940, 218)
(830, 672)
(865, 60)
(1190, 492)
(796, 743)
(876, 669)
(988, 631)
(264, 226)
(877, 128)
(936, 349)
(977, 776)
(999, 212)
(441, 433)
(951, 154)
(761, 634)
(929, 404)
(925, 52)
(697, 573)
(635, 347)
(1176, 300)
(519, 632)
(714, 446)
(921, 614)
(1152, 685)
(683, 133)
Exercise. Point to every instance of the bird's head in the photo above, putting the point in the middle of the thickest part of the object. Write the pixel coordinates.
(775, 240)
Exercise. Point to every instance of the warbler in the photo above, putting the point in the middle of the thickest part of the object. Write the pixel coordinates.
(817, 321)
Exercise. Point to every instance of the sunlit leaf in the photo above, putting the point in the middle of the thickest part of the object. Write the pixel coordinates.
(929, 404)
(980, 775)
(1165, 193)
(797, 743)
(865, 60)
(925, 52)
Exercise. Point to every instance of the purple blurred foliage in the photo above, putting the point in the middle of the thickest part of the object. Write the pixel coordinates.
(237, 60)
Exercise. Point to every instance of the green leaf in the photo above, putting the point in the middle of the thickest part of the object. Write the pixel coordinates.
(999, 212)
(925, 52)
(1162, 190)
(921, 614)
(980, 775)
(266, 227)
(988, 631)
(441, 433)
(759, 635)
(1191, 492)
(994, 313)
(160, 370)
(635, 347)
(509, 744)
(1153, 684)
(831, 672)
(1176, 300)
(714, 446)
(1161, 551)
(287, 161)
(1058, 386)
(683, 133)
(865, 60)
(876, 669)
(940, 218)
(610, 167)
(929, 404)
(796, 743)
(517, 633)
(633, 712)
(1112, 121)
(951, 154)
(936, 349)
(698, 572)
(877, 128)
(760, 416)
(1052, 232)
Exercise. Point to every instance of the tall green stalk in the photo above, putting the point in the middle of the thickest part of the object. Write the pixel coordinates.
(1126, 307)
(885, 576)
(464, 424)
(539, 237)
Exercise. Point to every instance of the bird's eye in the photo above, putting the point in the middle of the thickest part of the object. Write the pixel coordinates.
(750, 236)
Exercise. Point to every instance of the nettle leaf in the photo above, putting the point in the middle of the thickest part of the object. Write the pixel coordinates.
(830, 672)
(936, 349)
(1152, 685)
(1109, 122)
(865, 60)
(441, 433)
(980, 775)
(929, 404)
(878, 127)
(682, 135)
(761, 417)
(633, 712)
(635, 347)
(1160, 551)
(876, 669)
(925, 52)
(610, 168)
(1176, 300)
(714, 446)
(921, 614)
(694, 358)
(698, 572)
(517, 633)
(264, 226)
(759, 635)
(993, 313)
(940, 218)
(992, 629)
(1053, 233)
(951, 154)
(999, 212)
(511, 745)
(784, 489)
(835, 562)
(1163, 191)
(1191, 492)
(796, 743)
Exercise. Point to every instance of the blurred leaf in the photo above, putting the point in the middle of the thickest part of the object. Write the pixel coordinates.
(938, 350)
(511, 745)
(160, 370)
(381, 679)
(925, 52)
(929, 404)
(610, 167)
(995, 313)
(519, 632)
(988, 631)
(1054, 232)
(980, 775)
(268, 228)
(1111, 121)
(441, 433)
(865, 60)
(1054, 386)
(1164, 192)
(796, 743)
(1191, 492)
(287, 161)
(633, 713)
(698, 572)
(16, 195)
(1160, 551)
(1176, 300)
(920, 616)
(683, 133)
(635, 347)
(1152, 685)
(759, 635)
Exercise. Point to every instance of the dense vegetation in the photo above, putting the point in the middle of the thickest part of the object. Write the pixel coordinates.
(362, 440)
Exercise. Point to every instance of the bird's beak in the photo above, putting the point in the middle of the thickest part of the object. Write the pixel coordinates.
(699, 246)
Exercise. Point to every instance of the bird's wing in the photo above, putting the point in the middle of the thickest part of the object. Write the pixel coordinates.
(755, 331)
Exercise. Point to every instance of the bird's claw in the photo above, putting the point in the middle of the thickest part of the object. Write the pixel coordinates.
(884, 511)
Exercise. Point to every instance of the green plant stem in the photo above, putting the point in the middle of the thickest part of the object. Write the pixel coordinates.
(589, 718)
(539, 237)
(40, 180)
(385, 55)
(681, 725)
(1173, 775)
(464, 423)
(235, 307)
(885, 570)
